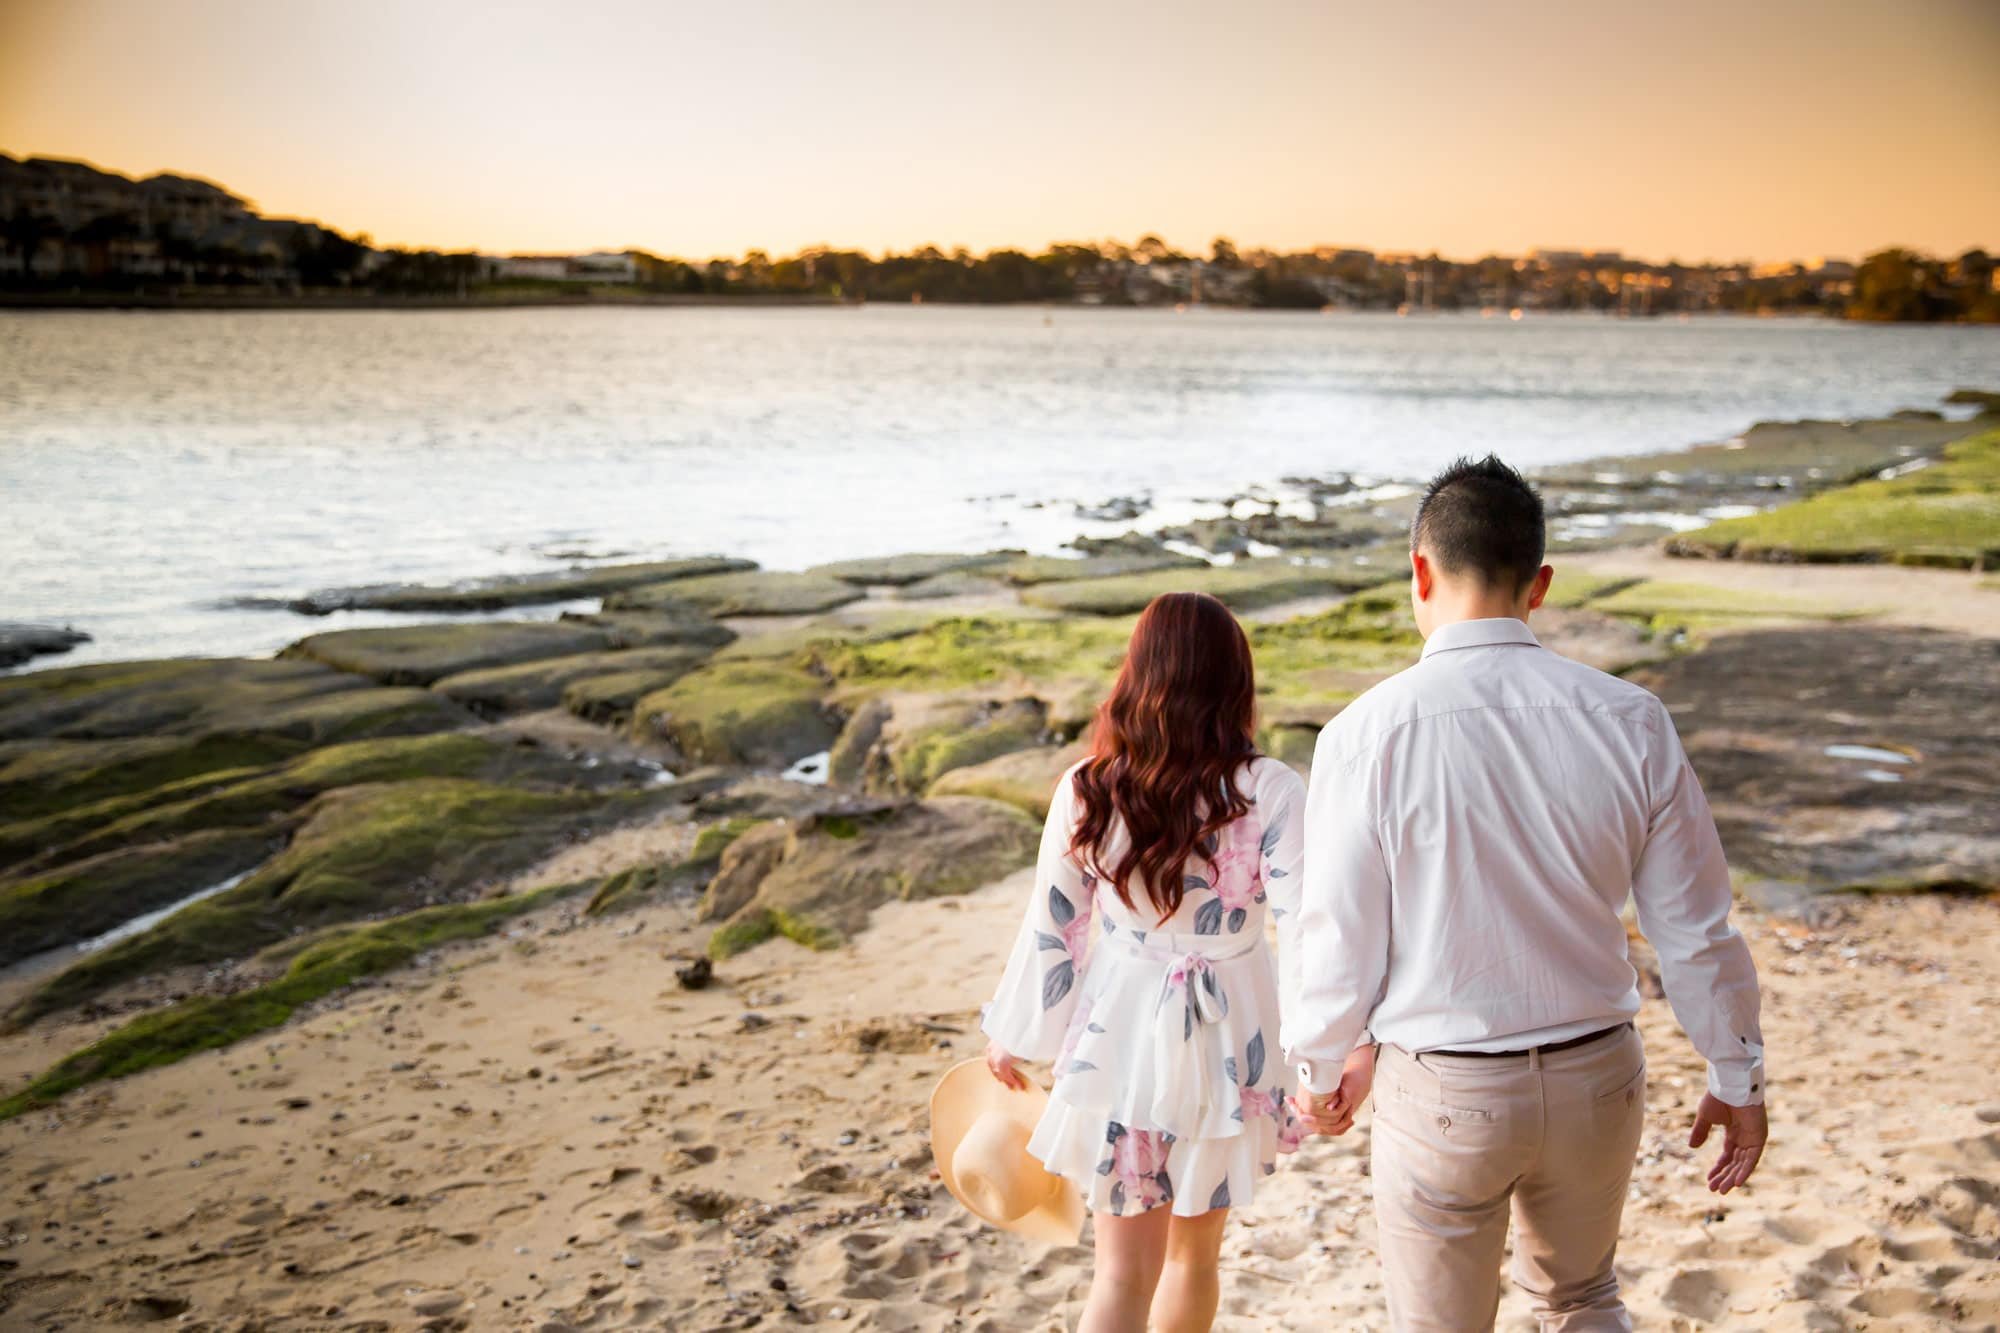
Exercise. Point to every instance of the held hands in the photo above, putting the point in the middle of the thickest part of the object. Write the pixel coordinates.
(1001, 1065)
(1332, 1113)
(1744, 1131)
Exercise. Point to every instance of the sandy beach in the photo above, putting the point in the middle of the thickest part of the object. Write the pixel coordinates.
(546, 1131)
(593, 973)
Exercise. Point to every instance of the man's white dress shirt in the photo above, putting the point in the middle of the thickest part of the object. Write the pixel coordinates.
(1474, 828)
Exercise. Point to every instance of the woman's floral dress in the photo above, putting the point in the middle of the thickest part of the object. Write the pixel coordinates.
(1169, 1087)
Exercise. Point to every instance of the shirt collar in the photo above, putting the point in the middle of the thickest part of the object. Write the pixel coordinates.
(1480, 634)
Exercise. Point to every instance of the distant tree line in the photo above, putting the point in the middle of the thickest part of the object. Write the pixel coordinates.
(70, 227)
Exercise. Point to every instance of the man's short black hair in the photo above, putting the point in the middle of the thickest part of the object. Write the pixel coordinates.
(1482, 518)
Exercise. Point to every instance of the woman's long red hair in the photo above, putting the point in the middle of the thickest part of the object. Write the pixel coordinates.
(1180, 721)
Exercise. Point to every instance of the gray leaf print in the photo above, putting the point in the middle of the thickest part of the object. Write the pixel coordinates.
(1056, 983)
(1272, 832)
(1093, 1027)
(1044, 940)
(1237, 917)
(1253, 1059)
(1118, 1198)
(1229, 1067)
(1061, 909)
(1081, 1067)
(1165, 1182)
(1275, 873)
(1208, 918)
(1190, 883)
(1219, 1199)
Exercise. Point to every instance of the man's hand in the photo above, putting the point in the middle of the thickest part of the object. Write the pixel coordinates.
(1744, 1130)
(1332, 1113)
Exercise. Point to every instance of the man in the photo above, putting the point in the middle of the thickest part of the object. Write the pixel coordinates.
(1474, 828)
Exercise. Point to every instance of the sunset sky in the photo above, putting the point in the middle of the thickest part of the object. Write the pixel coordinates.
(1704, 129)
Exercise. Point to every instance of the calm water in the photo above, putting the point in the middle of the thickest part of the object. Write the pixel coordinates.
(154, 465)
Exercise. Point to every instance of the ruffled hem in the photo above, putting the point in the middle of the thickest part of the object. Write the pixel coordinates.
(1124, 1171)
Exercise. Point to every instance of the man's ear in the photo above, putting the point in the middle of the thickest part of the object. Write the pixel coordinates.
(1423, 578)
(1539, 589)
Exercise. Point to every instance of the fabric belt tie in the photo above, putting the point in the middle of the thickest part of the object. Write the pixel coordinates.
(1193, 1002)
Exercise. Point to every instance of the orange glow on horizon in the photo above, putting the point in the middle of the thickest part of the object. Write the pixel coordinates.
(1779, 131)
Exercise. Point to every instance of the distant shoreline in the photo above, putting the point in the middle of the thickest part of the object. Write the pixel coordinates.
(381, 301)
(211, 302)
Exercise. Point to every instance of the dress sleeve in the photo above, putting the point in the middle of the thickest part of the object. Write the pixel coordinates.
(1281, 806)
(1030, 1012)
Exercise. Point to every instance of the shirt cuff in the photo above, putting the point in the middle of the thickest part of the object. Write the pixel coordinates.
(1738, 1085)
(1318, 1077)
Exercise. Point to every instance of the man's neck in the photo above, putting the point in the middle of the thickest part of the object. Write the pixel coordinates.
(1460, 610)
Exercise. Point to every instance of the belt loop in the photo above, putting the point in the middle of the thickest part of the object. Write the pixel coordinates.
(1535, 1060)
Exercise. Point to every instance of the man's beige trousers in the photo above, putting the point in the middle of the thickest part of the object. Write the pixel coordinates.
(1460, 1141)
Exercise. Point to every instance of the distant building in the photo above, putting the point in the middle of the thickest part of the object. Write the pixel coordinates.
(605, 266)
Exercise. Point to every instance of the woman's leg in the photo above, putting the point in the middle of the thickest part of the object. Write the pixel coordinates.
(1190, 1284)
(1130, 1251)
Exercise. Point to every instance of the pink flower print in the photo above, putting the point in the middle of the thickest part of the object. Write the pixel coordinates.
(1257, 1102)
(1238, 866)
(1076, 932)
(1139, 1161)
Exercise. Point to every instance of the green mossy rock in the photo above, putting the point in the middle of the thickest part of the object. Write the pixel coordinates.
(494, 594)
(1946, 514)
(1025, 779)
(895, 571)
(85, 898)
(717, 838)
(1310, 667)
(41, 778)
(629, 888)
(321, 964)
(362, 851)
(1243, 586)
(900, 744)
(530, 686)
(273, 798)
(1029, 570)
(1799, 457)
(1006, 653)
(755, 593)
(1678, 605)
(802, 642)
(1985, 400)
(422, 654)
(832, 871)
(742, 866)
(960, 583)
(754, 712)
(188, 696)
(676, 626)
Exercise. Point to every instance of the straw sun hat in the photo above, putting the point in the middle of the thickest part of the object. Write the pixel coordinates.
(979, 1137)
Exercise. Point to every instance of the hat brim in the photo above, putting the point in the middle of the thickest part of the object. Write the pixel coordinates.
(968, 1091)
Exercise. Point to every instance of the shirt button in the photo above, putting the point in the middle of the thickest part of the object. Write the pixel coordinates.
(1444, 1122)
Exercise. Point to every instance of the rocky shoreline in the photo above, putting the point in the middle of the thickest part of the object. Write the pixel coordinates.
(788, 754)
(945, 692)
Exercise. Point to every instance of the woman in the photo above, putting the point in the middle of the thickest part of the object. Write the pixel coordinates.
(1171, 1099)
